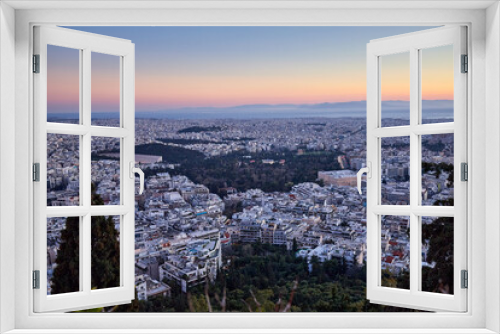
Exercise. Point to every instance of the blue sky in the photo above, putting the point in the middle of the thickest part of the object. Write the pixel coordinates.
(178, 67)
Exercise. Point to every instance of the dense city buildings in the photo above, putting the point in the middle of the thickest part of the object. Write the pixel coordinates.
(184, 228)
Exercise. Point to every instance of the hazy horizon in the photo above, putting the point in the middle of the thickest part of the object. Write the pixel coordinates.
(440, 109)
(224, 67)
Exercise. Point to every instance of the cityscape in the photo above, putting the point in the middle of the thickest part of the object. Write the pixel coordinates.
(250, 139)
(186, 229)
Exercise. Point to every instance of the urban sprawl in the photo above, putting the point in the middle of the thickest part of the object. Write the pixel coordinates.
(181, 230)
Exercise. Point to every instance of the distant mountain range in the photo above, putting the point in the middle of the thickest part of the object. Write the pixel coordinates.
(434, 109)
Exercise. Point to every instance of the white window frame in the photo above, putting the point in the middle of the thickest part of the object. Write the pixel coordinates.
(413, 44)
(483, 50)
(85, 44)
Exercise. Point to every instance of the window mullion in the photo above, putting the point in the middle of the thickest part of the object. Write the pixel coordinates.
(86, 119)
(414, 170)
(373, 183)
(81, 254)
(86, 250)
(86, 245)
(86, 153)
(434, 129)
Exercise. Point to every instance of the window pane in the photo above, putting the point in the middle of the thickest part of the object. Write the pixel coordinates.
(395, 251)
(395, 89)
(105, 90)
(63, 84)
(437, 84)
(63, 170)
(106, 170)
(63, 255)
(105, 238)
(437, 254)
(437, 169)
(395, 170)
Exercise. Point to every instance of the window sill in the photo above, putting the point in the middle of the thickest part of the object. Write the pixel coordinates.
(251, 331)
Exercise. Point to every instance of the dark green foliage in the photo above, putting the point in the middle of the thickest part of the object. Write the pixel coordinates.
(269, 273)
(105, 256)
(198, 129)
(444, 202)
(66, 274)
(169, 153)
(391, 281)
(182, 141)
(438, 169)
(233, 170)
(103, 156)
(439, 236)
(401, 145)
(436, 147)
(232, 208)
(316, 124)
(105, 253)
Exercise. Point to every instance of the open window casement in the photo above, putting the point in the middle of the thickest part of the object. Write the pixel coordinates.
(423, 281)
(65, 230)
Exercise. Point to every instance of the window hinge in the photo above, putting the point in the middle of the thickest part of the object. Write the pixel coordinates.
(36, 279)
(465, 64)
(36, 172)
(36, 63)
(464, 171)
(465, 279)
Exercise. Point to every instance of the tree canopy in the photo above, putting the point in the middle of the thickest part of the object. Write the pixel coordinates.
(105, 256)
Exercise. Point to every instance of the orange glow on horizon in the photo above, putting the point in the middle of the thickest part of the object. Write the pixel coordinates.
(161, 90)
(437, 73)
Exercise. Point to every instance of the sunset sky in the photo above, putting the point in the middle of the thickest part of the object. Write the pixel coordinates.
(228, 66)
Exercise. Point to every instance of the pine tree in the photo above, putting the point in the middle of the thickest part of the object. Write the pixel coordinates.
(66, 274)
(105, 253)
(105, 256)
(439, 236)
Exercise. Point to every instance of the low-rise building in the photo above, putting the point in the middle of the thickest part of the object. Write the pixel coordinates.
(148, 288)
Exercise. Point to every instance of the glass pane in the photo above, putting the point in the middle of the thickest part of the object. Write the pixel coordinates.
(395, 170)
(63, 84)
(395, 89)
(105, 90)
(63, 254)
(105, 257)
(437, 84)
(105, 171)
(437, 169)
(395, 251)
(63, 170)
(437, 254)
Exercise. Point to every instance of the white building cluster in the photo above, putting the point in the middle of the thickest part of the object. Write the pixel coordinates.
(181, 230)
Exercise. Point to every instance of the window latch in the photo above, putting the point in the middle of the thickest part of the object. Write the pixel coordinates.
(367, 170)
(139, 171)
